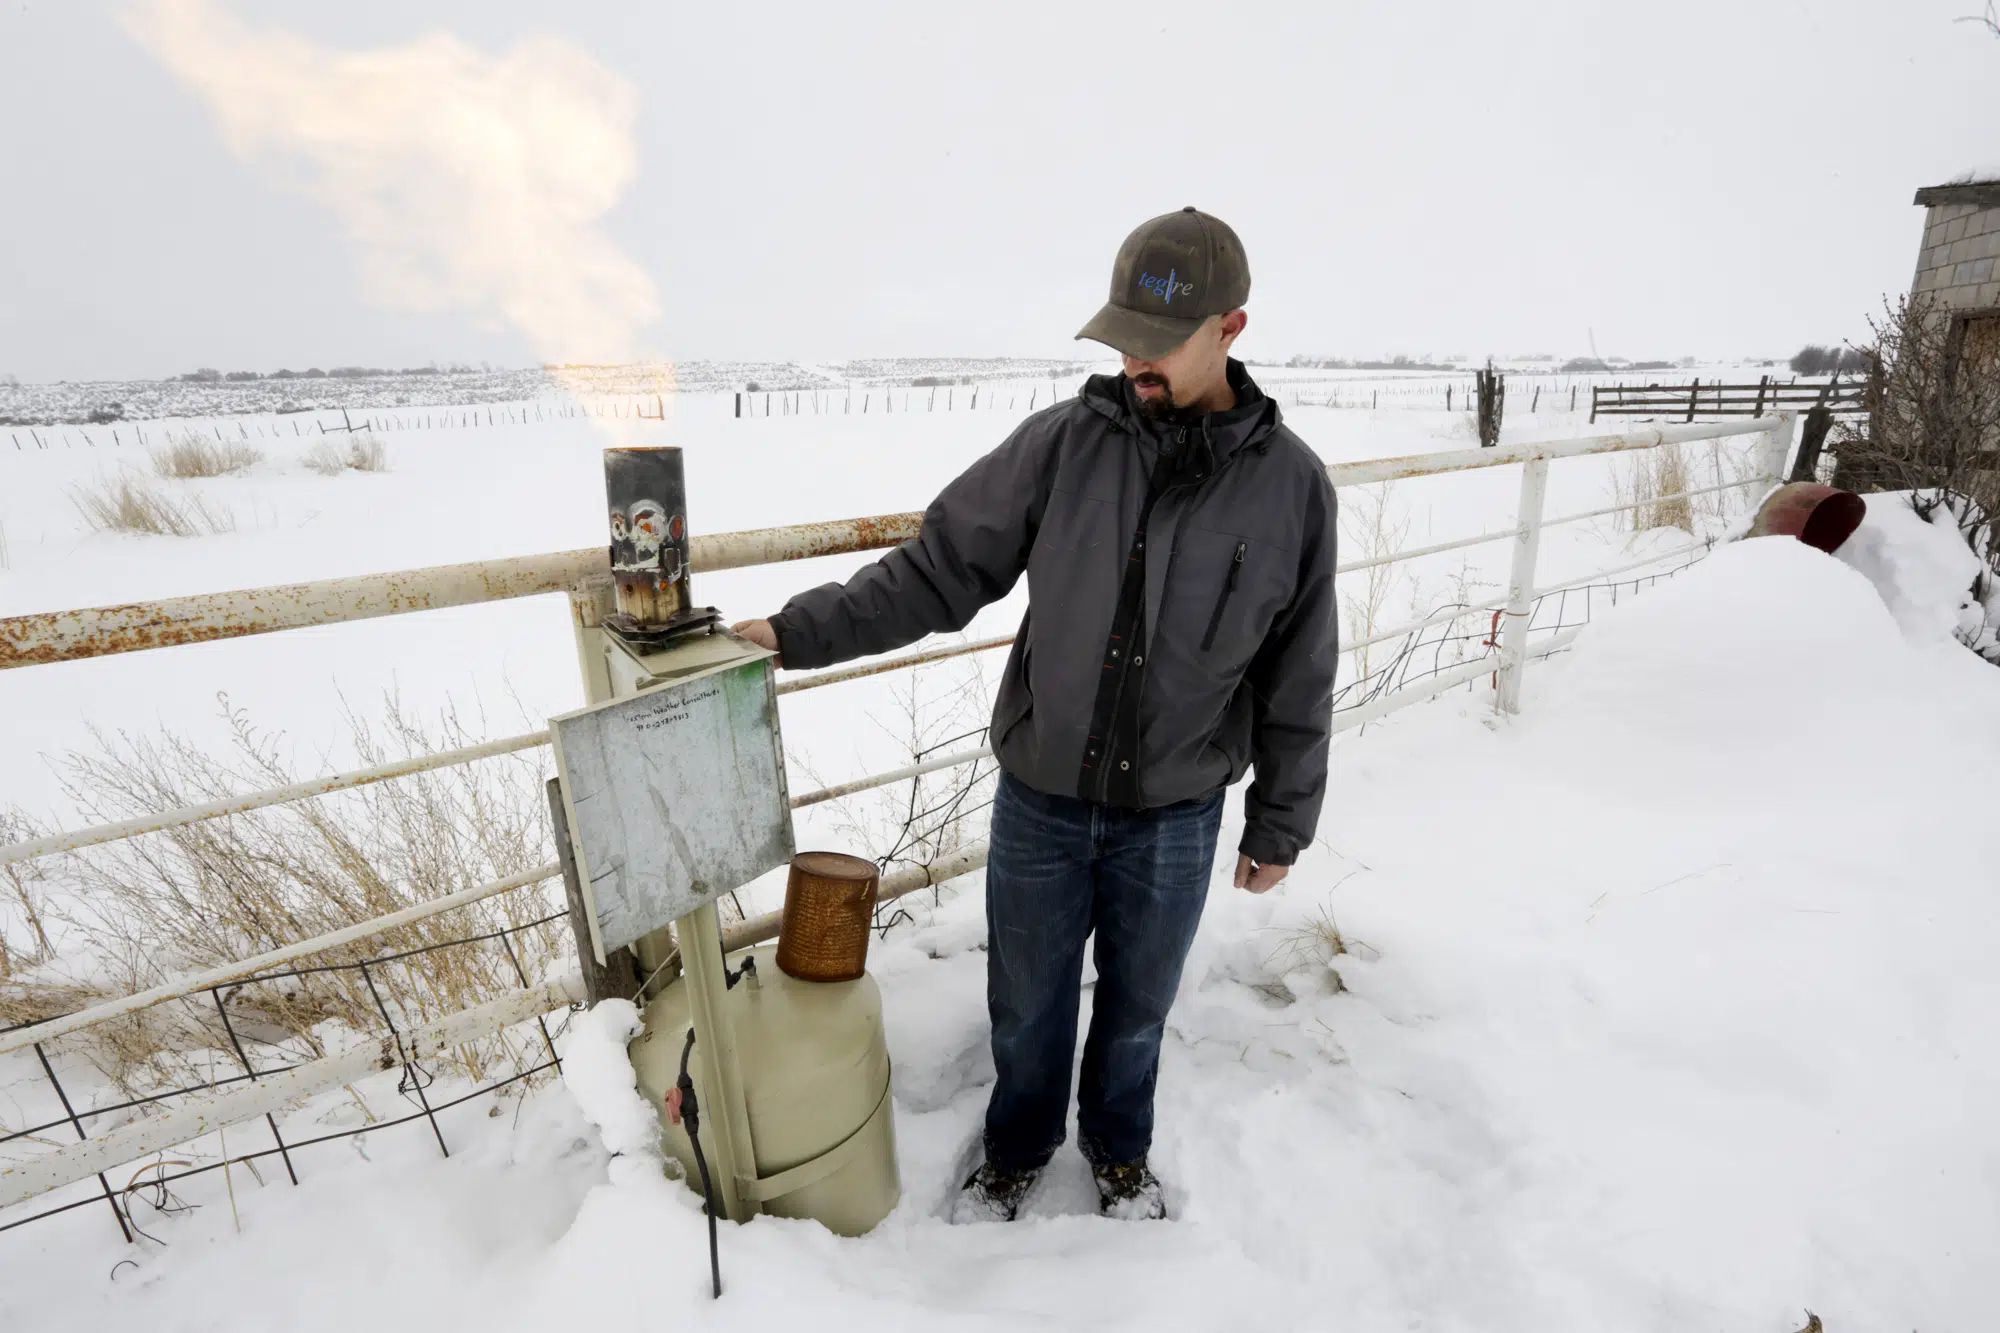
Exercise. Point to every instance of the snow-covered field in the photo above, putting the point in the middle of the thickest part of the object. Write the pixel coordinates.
(212, 393)
(1665, 1005)
(358, 390)
(468, 494)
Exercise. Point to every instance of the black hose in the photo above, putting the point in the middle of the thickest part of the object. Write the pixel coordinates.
(691, 1118)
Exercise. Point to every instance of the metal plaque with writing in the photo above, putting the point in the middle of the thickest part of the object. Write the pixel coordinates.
(675, 797)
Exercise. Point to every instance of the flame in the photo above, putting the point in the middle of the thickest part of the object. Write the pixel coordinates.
(466, 181)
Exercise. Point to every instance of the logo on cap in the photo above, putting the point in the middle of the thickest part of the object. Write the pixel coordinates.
(1166, 288)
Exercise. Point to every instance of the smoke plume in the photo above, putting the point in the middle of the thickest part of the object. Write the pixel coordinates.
(466, 181)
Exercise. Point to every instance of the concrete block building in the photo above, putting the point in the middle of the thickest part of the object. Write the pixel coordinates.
(1959, 264)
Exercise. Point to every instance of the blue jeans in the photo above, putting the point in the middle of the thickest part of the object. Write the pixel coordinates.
(1058, 870)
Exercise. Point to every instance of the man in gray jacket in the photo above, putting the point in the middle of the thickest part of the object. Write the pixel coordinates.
(1179, 548)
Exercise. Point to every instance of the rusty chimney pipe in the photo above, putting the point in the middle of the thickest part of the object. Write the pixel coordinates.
(646, 491)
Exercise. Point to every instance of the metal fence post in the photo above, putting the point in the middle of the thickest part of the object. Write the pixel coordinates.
(76, 1123)
(222, 1009)
(726, 1119)
(1772, 449)
(1521, 585)
(588, 605)
(413, 1075)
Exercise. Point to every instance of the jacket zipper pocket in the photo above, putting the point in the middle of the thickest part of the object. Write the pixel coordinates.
(1222, 602)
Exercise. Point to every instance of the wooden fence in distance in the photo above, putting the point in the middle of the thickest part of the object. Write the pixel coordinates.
(1685, 402)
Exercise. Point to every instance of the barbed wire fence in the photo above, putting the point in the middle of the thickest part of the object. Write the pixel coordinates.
(314, 422)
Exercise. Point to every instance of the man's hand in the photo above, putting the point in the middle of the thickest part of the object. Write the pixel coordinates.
(760, 633)
(1258, 878)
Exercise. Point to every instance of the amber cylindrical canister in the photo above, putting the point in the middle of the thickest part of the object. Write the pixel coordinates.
(829, 914)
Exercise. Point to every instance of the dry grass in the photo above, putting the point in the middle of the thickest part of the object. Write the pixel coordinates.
(1727, 466)
(139, 911)
(361, 453)
(129, 503)
(1655, 483)
(31, 1000)
(1319, 940)
(187, 456)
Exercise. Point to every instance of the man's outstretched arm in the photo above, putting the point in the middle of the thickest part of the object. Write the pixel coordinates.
(972, 549)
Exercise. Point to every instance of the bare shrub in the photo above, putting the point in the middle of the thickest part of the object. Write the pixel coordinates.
(191, 455)
(1981, 535)
(1934, 409)
(24, 886)
(326, 458)
(128, 503)
(1933, 429)
(362, 453)
(938, 710)
(198, 896)
(1458, 589)
(365, 453)
(1371, 526)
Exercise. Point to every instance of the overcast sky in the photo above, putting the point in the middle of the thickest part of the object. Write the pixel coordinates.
(823, 181)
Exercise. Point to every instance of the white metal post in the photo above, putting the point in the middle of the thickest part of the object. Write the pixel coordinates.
(1521, 585)
(726, 1121)
(589, 603)
(1772, 451)
(726, 1124)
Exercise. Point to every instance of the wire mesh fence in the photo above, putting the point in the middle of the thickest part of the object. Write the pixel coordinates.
(237, 1021)
(1435, 649)
(938, 818)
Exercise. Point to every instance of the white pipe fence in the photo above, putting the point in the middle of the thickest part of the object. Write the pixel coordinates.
(62, 636)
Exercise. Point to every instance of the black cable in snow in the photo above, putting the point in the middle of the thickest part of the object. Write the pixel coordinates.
(690, 1112)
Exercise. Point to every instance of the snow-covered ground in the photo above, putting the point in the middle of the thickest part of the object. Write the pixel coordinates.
(1665, 1004)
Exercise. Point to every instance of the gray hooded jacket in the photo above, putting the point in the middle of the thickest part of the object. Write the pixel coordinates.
(1234, 647)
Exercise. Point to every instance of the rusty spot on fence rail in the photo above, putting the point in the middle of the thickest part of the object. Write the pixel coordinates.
(803, 541)
(63, 636)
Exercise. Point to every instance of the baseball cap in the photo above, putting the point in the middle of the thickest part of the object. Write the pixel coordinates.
(1171, 274)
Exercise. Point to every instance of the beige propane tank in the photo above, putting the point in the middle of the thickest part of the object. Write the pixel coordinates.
(815, 1072)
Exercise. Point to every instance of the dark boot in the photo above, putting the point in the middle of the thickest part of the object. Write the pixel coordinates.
(993, 1194)
(1129, 1191)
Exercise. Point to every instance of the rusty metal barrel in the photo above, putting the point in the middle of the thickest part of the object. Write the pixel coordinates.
(829, 915)
(1820, 516)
